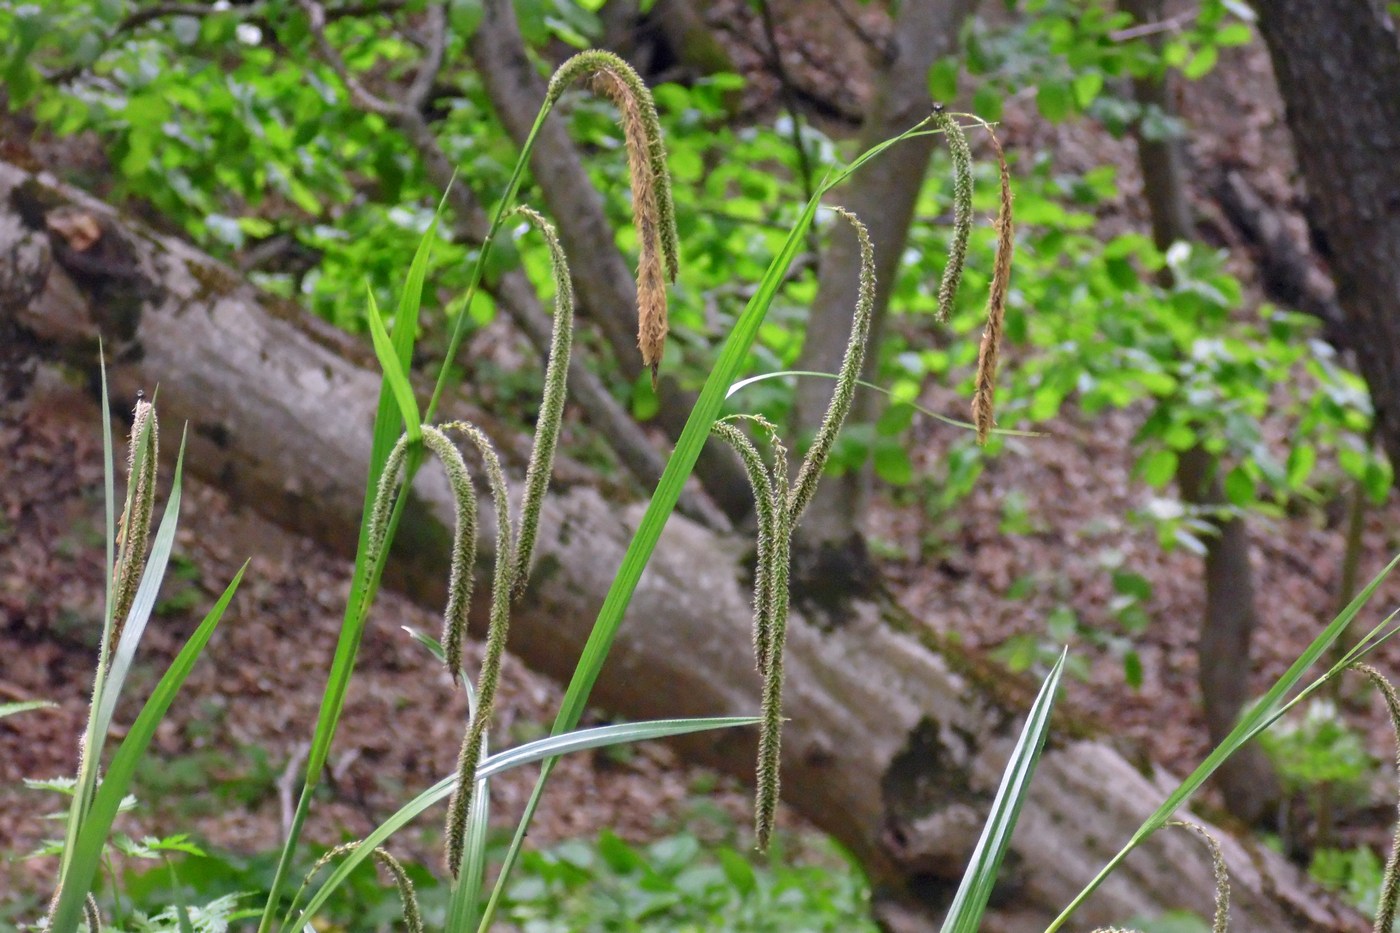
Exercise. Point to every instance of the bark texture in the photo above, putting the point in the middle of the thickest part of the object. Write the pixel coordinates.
(895, 742)
(1247, 780)
(924, 31)
(1337, 63)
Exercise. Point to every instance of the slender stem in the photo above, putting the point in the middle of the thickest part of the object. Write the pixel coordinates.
(348, 647)
(362, 591)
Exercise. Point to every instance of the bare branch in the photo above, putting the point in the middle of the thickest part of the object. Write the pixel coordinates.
(363, 98)
(775, 61)
(883, 48)
(1143, 30)
(432, 58)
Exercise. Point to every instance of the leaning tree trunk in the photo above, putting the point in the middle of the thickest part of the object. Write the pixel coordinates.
(1337, 63)
(896, 740)
(923, 32)
(1248, 781)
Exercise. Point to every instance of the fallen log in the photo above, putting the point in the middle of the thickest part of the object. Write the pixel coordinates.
(896, 740)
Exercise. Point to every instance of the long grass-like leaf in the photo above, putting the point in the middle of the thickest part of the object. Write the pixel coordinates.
(92, 837)
(968, 425)
(965, 914)
(394, 372)
(550, 746)
(24, 706)
(365, 576)
(87, 770)
(1254, 721)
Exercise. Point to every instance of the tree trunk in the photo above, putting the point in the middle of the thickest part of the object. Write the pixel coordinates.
(1337, 63)
(1247, 780)
(924, 31)
(896, 740)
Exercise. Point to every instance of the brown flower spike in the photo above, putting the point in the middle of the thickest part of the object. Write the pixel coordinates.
(653, 213)
(984, 399)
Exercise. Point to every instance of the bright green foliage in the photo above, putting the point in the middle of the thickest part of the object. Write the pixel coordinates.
(1072, 52)
(675, 884)
(1356, 873)
(1319, 747)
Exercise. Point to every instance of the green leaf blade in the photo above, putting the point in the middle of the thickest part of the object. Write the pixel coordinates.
(92, 837)
(970, 902)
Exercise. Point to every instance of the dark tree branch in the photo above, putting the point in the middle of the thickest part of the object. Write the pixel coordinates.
(785, 90)
(421, 88)
(882, 49)
(1287, 271)
(361, 95)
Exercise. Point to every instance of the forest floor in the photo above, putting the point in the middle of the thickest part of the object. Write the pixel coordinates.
(1041, 532)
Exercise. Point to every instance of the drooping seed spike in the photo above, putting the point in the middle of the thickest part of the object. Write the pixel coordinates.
(765, 508)
(1222, 875)
(383, 504)
(770, 604)
(984, 399)
(92, 915)
(469, 755)
(653, 209)
(551, 406)
(412, 916)
(463, 564)
(962, 211)
(315, 869)
(812, 465)
(771, 729)
(1390, 881)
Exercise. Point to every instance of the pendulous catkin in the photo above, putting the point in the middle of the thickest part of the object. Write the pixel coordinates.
(962, 211)
(984, 399)
(779, 509)
(653, 210)
(1390, 881)
(469, 756)
(551, 405)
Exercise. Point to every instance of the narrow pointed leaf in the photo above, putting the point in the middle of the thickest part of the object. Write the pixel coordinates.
(552, 746)
(1254, 721)
(965, 914)
(92, 837)
(394, 372)
(24, 706)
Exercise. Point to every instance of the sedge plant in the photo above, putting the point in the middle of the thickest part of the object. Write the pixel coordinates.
(404, 435)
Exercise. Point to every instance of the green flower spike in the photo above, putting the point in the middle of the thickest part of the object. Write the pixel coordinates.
(469, 757)
(459, 586)
(779, 508)
(1390, 882)
(962, 211)
(551, 407)
(136, 516)
(815, 461)
(412, 916)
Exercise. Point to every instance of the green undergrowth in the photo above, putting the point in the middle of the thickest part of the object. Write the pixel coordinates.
(677, 882)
